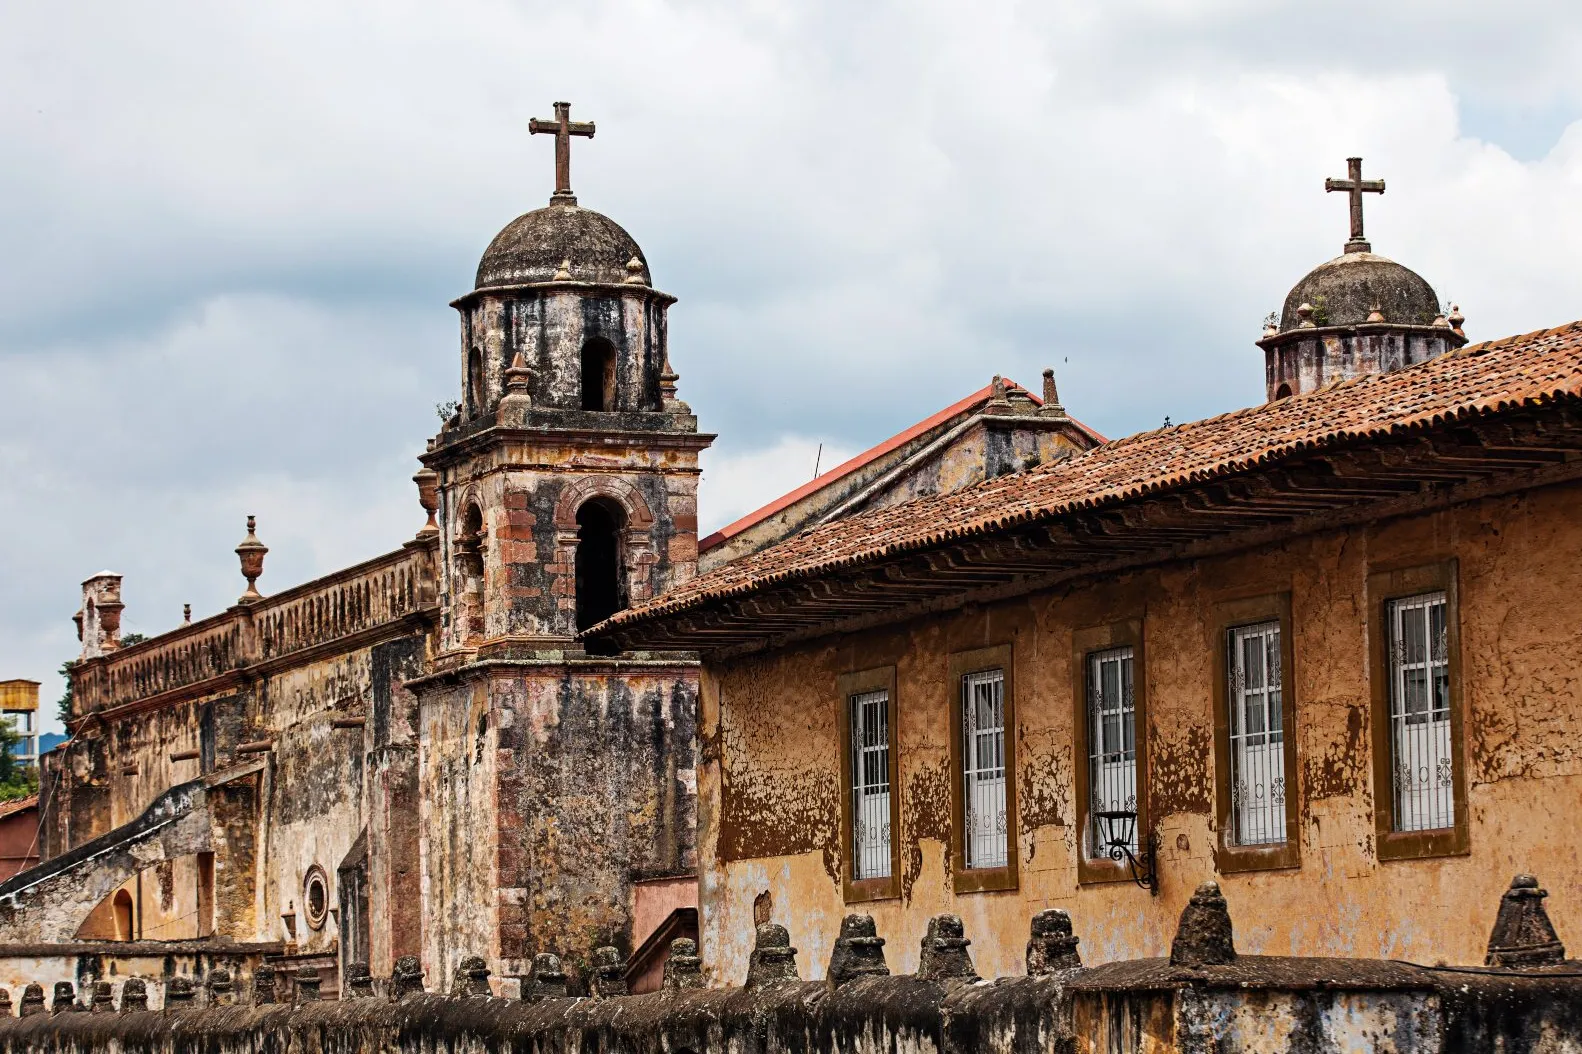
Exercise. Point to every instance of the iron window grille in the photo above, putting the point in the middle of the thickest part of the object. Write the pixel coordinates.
(1422, 763)
(986, 838)
(1112, 744)
(870, 784)
(1257, 735)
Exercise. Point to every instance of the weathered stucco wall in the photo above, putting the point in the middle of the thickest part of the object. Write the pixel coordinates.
(770, 809)
(549, 787)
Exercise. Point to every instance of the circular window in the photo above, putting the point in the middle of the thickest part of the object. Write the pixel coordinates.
(316, 896)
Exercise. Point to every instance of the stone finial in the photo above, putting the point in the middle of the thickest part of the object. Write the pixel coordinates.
(518, 397)
(263, 985)
(773, 959)
(1204, 936)
(1376, 314)
(1523, 936)
(1051, 407)
(308, 982)
(859, 951)
(667, 389)
(186, 614)
(427, 481)
(406, 978)
(178, 993)
(472, 977)
(634, 272)
(134, 995)
(563, 272)
(359, 982)
(1441, 322)
(99, 619)
(65, 1000)
(251, 552)
(1456, 318)
(1052, 946)
(32, 1001)
(944, 952)
(683, 967)
(103, 997)
(1304, 311)
(999, 404)
(1271, 325)
(547, 980)
(609, 974)
(221, 991)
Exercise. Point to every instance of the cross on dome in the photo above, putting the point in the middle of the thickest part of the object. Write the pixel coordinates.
(562, 128)
(1356, 187)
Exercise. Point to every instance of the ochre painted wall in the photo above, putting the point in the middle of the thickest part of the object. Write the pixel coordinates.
(769, 758)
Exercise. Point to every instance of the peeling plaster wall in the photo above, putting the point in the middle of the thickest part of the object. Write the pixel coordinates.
(548, 788)
(769, 779)
(312, 795)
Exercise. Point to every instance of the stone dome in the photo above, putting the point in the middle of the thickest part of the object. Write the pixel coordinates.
(1345, 290)
(532, 247)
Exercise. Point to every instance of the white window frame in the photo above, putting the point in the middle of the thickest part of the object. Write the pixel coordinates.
(1256, 734)
(1112, 742)
(985, 834)
(1422, 755)
(869, 756)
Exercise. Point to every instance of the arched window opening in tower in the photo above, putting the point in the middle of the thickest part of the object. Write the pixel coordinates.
(1283, 392)
(469, 553)
(598, 375)
(600, 590)
(475, 381)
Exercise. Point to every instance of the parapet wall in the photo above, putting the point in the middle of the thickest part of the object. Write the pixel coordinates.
(1204, 998)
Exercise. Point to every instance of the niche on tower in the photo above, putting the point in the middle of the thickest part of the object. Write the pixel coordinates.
(598, 375)
(601, 590)
(469, 570)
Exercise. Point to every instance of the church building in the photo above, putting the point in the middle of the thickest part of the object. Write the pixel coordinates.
(419, 757)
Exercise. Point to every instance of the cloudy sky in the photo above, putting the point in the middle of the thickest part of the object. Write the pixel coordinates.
(230, 231)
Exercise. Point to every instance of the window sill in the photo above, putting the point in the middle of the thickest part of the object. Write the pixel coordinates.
(1237, 859)
(1423, 845)
(985, 879)
(870, 889)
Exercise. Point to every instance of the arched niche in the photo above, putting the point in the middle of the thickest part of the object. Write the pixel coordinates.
(598, 374)
(599, 567)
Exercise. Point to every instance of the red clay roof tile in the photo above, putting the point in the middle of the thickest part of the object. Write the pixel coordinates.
(1496, 376)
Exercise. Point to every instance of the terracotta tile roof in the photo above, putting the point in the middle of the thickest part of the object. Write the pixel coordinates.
(873, 453)
(1481, 379)
(11, 808)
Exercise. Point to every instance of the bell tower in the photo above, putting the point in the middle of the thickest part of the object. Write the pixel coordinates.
(568, 475)
(558, 783)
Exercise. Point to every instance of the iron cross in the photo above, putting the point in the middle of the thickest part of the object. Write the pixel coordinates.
(562, 128)
(1355, 186)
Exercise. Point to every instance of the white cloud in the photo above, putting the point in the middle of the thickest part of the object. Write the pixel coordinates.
(735, 484)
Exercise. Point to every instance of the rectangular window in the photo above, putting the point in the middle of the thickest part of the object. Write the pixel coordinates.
(870, 816)
(1112, 745)
(1419, 781)
(870, 784)
(1422, 762)
(983, 828)
(1256, 734)
(983, 770)
(1255, 789)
